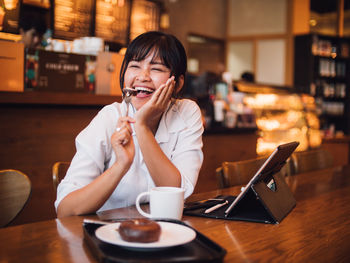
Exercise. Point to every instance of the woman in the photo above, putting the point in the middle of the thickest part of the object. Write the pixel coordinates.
(159, 143)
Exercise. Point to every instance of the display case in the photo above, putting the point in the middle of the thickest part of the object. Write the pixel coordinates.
(322, 69)
(282, 116)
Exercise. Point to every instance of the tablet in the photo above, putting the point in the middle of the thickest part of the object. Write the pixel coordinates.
(271, 166)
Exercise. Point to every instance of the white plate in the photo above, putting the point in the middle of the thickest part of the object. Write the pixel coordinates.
(171, 235)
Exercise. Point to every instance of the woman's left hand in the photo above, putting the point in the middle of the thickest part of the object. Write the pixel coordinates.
(150, 113)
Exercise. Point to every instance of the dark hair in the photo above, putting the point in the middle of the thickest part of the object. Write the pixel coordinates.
(37, 22)
(247, 76)
(167, 47)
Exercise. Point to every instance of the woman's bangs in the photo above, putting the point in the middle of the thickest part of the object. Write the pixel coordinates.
(140, 53)
(158, 48)
(161, 52)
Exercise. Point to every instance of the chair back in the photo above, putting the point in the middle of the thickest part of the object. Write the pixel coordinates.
(240, 172)
(308, 161)
(59, 170)
(15, 190)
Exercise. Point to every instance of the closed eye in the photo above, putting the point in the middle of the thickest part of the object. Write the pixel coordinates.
(133, 64)
(158, 69)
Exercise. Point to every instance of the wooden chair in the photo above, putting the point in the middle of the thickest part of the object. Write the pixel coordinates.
(15, 190)
(59, 170)
(240, 172)
(308, 161)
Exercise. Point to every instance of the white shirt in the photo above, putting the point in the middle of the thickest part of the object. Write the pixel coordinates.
(179, 135)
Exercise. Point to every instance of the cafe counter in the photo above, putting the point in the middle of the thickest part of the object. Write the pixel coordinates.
(39, 128)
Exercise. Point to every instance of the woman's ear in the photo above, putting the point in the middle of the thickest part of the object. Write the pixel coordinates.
(180, 84)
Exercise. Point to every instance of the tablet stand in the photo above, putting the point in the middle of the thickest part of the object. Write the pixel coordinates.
(259, 204)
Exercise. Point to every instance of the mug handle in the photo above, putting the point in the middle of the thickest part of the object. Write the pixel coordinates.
(139, 209)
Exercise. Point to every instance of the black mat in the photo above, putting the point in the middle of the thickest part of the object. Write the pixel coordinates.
(202, 249)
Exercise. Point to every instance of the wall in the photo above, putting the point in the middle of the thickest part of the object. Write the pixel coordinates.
(263, 27)
(271, 52)
(202, 17)
(256, 17)
(245, 22)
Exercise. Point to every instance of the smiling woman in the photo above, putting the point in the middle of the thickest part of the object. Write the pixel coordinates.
(158, 143)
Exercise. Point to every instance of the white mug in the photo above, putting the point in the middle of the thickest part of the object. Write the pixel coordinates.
(165, 202)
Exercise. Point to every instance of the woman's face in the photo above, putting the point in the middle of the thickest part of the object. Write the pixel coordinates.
(145, 76)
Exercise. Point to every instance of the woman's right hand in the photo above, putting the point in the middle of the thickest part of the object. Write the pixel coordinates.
(150, 113)
(123, 143)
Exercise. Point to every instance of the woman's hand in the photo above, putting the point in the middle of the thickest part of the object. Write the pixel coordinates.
(150, 113)
(123, 143)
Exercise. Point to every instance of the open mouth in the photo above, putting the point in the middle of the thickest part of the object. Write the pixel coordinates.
(144, 90)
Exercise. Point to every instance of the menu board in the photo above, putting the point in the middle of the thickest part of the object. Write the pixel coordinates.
(9, 15)
(39, 3)
(112, 20)
(72, 18)
(58, 71)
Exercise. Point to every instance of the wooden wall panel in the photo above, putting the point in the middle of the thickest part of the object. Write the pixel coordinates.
(33, 138)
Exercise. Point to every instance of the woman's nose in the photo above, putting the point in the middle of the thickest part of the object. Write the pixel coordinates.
(143, 75)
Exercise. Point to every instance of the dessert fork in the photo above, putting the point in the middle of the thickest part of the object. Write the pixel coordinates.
(127, 98)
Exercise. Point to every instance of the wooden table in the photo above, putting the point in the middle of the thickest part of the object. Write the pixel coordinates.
(316, 230)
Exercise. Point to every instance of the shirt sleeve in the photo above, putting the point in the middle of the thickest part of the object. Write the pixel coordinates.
(187, 155)
(92, 150)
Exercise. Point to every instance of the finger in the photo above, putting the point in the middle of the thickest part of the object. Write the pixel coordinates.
(169, 87)
(124, 120)
(165, 96)
(125, 142)
(129, 119)
(157, 94)
(117, 139)
(125, 127)
(128, 128)
(123, 136)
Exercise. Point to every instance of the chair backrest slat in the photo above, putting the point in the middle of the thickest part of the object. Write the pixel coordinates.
(59, 170)
(308, 161)
(240, 172)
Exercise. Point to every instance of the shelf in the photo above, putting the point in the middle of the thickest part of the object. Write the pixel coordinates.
(332, 116)
(337, 58)
(341, 79)
(322, 69)
(56, 98)
(333, 99)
